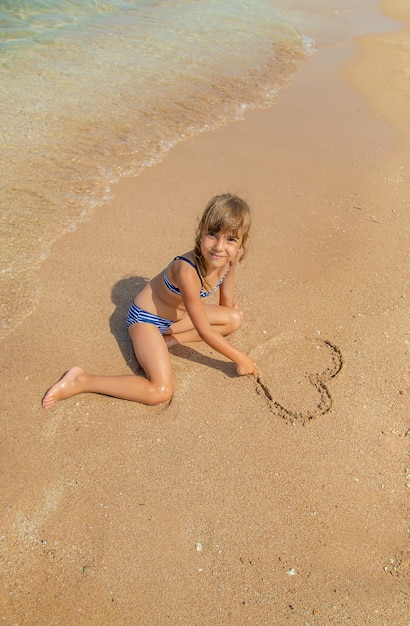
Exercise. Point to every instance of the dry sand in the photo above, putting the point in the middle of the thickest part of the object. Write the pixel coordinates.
(226, 506)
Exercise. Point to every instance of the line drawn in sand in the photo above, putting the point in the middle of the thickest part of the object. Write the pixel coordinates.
(294, 373)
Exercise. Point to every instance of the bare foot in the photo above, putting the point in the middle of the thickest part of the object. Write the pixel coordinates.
(69, 385)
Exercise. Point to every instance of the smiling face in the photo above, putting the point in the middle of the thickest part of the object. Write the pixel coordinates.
(219, 249)
(222, 231)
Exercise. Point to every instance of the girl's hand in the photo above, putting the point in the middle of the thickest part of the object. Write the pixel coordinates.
(246, 366)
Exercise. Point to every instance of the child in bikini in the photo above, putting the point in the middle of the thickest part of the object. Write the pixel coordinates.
(170, 310)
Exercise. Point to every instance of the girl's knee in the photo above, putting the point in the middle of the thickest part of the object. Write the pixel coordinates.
(159, 394)
(236, 319)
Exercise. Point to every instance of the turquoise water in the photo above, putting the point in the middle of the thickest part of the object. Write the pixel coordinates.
(93, 90)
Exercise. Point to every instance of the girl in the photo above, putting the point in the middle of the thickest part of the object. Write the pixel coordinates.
(170, 310)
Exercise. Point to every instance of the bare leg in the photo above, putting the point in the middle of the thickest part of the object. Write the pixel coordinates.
(223, 319)
(151, 353)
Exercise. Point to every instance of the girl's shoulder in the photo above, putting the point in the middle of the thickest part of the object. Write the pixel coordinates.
(184, 264)
(181, 261)
(188, 257)
(180, 268)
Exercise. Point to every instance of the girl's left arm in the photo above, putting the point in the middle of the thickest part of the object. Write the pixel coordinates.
(226, 290)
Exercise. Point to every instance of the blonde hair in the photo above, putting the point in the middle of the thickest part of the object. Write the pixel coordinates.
(223, 214)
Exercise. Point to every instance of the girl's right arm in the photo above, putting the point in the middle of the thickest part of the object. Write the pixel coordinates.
(189, 287)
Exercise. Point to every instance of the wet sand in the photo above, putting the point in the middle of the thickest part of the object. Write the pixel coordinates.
(284, 502)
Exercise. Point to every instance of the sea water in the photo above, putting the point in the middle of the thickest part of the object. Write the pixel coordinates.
(92, 90)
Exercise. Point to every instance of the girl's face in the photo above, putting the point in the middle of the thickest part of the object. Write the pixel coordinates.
(219, 249)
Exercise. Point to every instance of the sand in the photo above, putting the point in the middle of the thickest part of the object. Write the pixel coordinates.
(284, 502)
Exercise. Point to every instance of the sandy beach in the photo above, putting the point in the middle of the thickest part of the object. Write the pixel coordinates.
(279, 502)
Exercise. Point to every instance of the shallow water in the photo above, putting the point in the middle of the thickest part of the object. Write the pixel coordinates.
(94, 90)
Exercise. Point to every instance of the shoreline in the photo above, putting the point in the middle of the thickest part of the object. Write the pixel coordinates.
(299, 520)
(55, 182)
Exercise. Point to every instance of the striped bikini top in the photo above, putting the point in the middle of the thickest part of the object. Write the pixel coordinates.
(202, 293)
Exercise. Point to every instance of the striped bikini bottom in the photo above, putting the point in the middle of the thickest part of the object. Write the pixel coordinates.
(137, 315)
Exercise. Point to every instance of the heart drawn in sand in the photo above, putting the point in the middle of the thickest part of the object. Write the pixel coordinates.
(294, 373)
